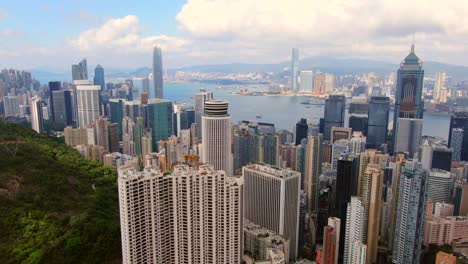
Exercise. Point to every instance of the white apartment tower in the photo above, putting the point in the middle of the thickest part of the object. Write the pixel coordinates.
(189, 216)
(37, 120)
(216, 136)
(358, 253)
(271, 200)
(354, 228)
(87, 102)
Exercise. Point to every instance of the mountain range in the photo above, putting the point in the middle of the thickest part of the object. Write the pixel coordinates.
(322, 63)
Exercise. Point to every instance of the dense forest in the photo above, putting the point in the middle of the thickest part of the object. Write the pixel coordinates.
(55, 206)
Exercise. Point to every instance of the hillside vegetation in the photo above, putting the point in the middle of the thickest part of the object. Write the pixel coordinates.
(55, 206)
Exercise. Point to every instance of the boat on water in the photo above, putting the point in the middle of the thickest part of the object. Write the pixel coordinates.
(259, 117)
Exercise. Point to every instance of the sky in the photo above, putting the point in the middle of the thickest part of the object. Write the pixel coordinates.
(119, 34)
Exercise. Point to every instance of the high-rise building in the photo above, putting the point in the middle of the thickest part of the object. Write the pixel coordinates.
(409, 132)
(339, 149)
(63, 112)
(37, 120)
(456, 143)
(329, 83)
(116, 107)
(307, 81)
(267, 146)
(410, 215)
(145, 85)
(216, 136)
(408, 96)
(319, 84)
(439, 186)
(244, 148)
(11, 105)
(334, 114)
(379, 108)
(53, 86)
(301, 130)
(99, 77)
(359, 123)
(358, 253)
(184, 117)
(460, 120)
(338, 133)
(331, 239)
(441, 158)
(439, 85)
(425, 155)
(88, 105)
(160, 114)
(354, 228)
(271, 200)
(313, 168)
(200, 99)
(157, 73)
(80, 70)
(189, 216)
(372, 183)
(460, 201)
(294, 69)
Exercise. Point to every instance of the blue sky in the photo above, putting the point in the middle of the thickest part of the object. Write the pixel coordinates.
(52, 34)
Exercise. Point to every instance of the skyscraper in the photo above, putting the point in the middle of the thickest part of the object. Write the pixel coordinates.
(307, 81)
(410, 214)
(216, 136)
(294, 69)
(11, 105)
(157, 73)
(53, 86)
(80, 70)
(439, 85)
(88, 105)
(271, 200)
(457, 143)
(439, 186)
(313, 168)
(409, 135)
(160, 118)
(354, 228)
(116, 106)
(63, 112)
(189, 216)
(372, 182)
(99, 77)
(37, 120)
(441, 158)
(331, 236)
(145, 85)
(301, 130)
(200, 98)
(377, 128)
(460, 120)
(408, 96)
(334, 114)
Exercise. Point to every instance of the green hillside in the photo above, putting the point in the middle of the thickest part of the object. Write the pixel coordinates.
(55, 206)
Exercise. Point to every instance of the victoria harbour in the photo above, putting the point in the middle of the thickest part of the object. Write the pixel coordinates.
(283, 111)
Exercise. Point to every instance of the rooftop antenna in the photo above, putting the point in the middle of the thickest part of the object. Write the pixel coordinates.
(412, 45)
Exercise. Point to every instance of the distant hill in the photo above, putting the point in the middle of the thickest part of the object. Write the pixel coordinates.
(332, 65)
(322, 63)
(55, 206)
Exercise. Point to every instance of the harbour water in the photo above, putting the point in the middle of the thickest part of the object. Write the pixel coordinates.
(283, 111)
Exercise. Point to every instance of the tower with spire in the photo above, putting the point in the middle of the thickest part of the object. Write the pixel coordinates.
(408, 95)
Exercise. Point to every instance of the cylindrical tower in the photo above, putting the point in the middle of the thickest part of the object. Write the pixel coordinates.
(216, 135)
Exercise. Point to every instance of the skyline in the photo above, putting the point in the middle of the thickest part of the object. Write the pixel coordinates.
(217, 32)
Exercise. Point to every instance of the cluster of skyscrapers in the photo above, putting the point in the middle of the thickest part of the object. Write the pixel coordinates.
(196, 188)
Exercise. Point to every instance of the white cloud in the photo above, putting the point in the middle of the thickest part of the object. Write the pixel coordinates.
(4, 15)
(352, 27)
(124, 35)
